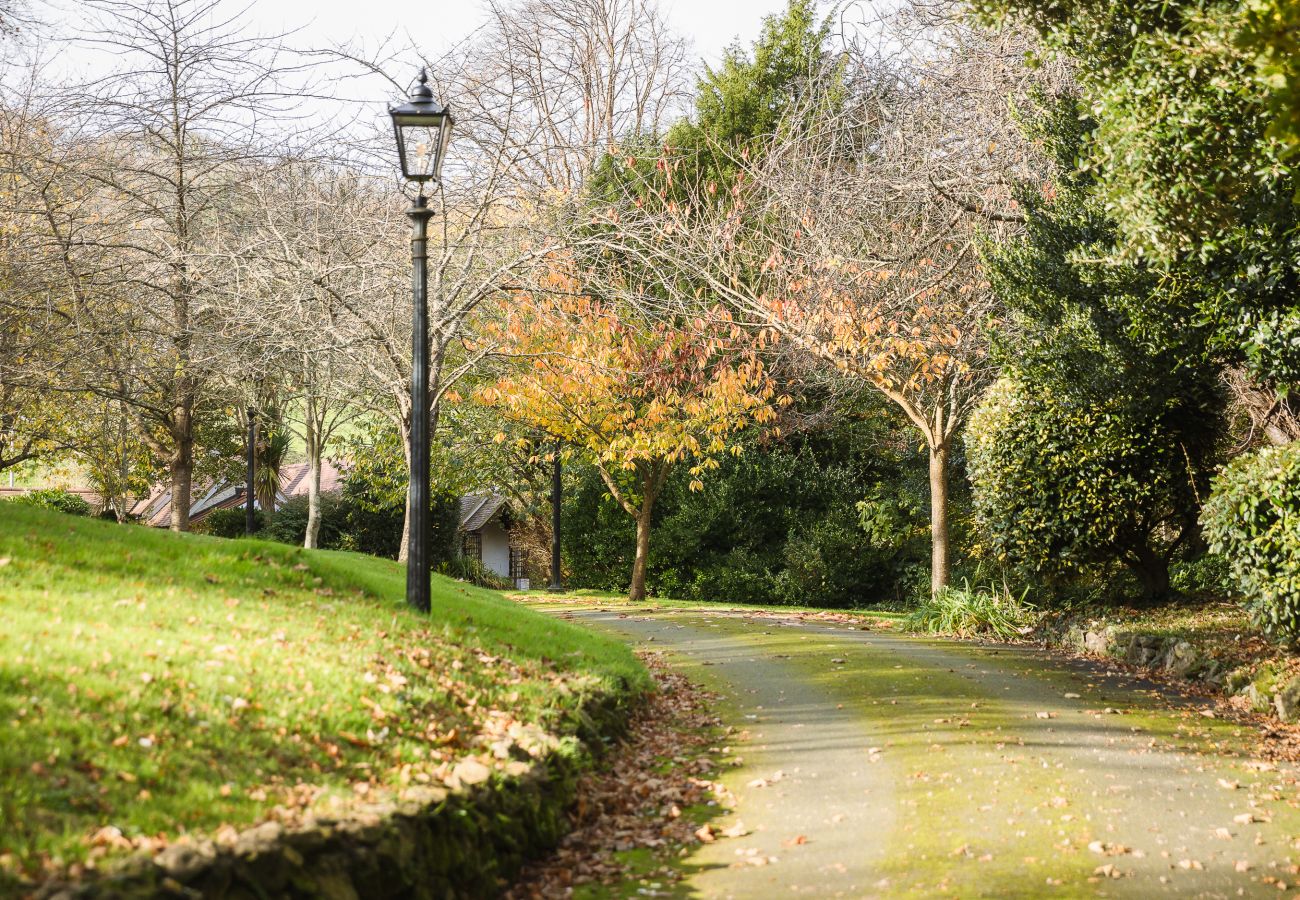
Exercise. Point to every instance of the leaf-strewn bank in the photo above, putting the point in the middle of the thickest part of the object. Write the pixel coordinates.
(160, 689)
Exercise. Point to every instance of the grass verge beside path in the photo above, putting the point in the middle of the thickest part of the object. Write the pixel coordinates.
(154, 685)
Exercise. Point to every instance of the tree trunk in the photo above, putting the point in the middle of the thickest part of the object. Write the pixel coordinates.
(311, 540)
(940, 567)
(182, 472)
(406, 504)
(637, 592)
(1152, 571)
(182, 466)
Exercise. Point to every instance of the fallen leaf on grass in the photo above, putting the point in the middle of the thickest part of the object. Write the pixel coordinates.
(705, 834)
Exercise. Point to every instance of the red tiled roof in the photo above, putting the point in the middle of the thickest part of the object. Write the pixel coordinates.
(156, 509)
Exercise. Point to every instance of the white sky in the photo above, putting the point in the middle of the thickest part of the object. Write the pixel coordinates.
(710, 24)
(433, 26)
(436, 25)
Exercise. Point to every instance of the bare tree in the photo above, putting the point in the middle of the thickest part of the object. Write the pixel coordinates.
(161, 143)
(583, 77)
(305, 264)
(36, 334)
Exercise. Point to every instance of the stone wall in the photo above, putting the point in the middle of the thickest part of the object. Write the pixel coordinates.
(433, 844)
(1263, 687)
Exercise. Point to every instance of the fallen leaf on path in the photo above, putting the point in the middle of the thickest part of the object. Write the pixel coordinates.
(764, 782)
(735, 831)
(705, 834)
(796, 841)
(1108, 871)
(1229, 785)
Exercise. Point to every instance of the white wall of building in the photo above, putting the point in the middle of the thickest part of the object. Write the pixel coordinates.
(496, 549)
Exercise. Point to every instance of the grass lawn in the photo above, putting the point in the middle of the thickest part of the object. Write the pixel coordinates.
(153, 685)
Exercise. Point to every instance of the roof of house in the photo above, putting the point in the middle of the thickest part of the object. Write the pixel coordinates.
(476, 510)
(156, 509)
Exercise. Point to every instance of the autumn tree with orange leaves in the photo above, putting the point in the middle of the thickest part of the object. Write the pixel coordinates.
(637, 396)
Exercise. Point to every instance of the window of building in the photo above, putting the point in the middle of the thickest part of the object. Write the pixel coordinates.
(518, 557)
(472, 546)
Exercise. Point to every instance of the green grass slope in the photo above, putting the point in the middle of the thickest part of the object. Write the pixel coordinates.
(153, 685)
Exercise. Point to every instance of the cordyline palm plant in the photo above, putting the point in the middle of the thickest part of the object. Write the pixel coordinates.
(272, 451)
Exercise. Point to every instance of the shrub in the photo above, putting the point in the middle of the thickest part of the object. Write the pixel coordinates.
(289, 524)
(781, 523)
(968, 612)
(1068, 482)
(467, 568)
(834, 562)
(56, 499)
(374, 497)
(1252, 520)
(229, 523)
(1207, 576)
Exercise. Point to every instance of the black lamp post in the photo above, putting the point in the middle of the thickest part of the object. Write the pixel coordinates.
(422, 127)
(250, 523)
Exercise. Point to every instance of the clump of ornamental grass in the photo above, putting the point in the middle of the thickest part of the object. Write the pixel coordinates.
(969, 611)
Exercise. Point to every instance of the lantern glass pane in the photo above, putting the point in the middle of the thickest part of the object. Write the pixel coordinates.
(421, 148)
(442, 150)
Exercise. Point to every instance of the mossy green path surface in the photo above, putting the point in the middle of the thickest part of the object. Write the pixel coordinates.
(880, 765)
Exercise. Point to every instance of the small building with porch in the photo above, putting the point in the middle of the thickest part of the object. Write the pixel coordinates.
(486, 524)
